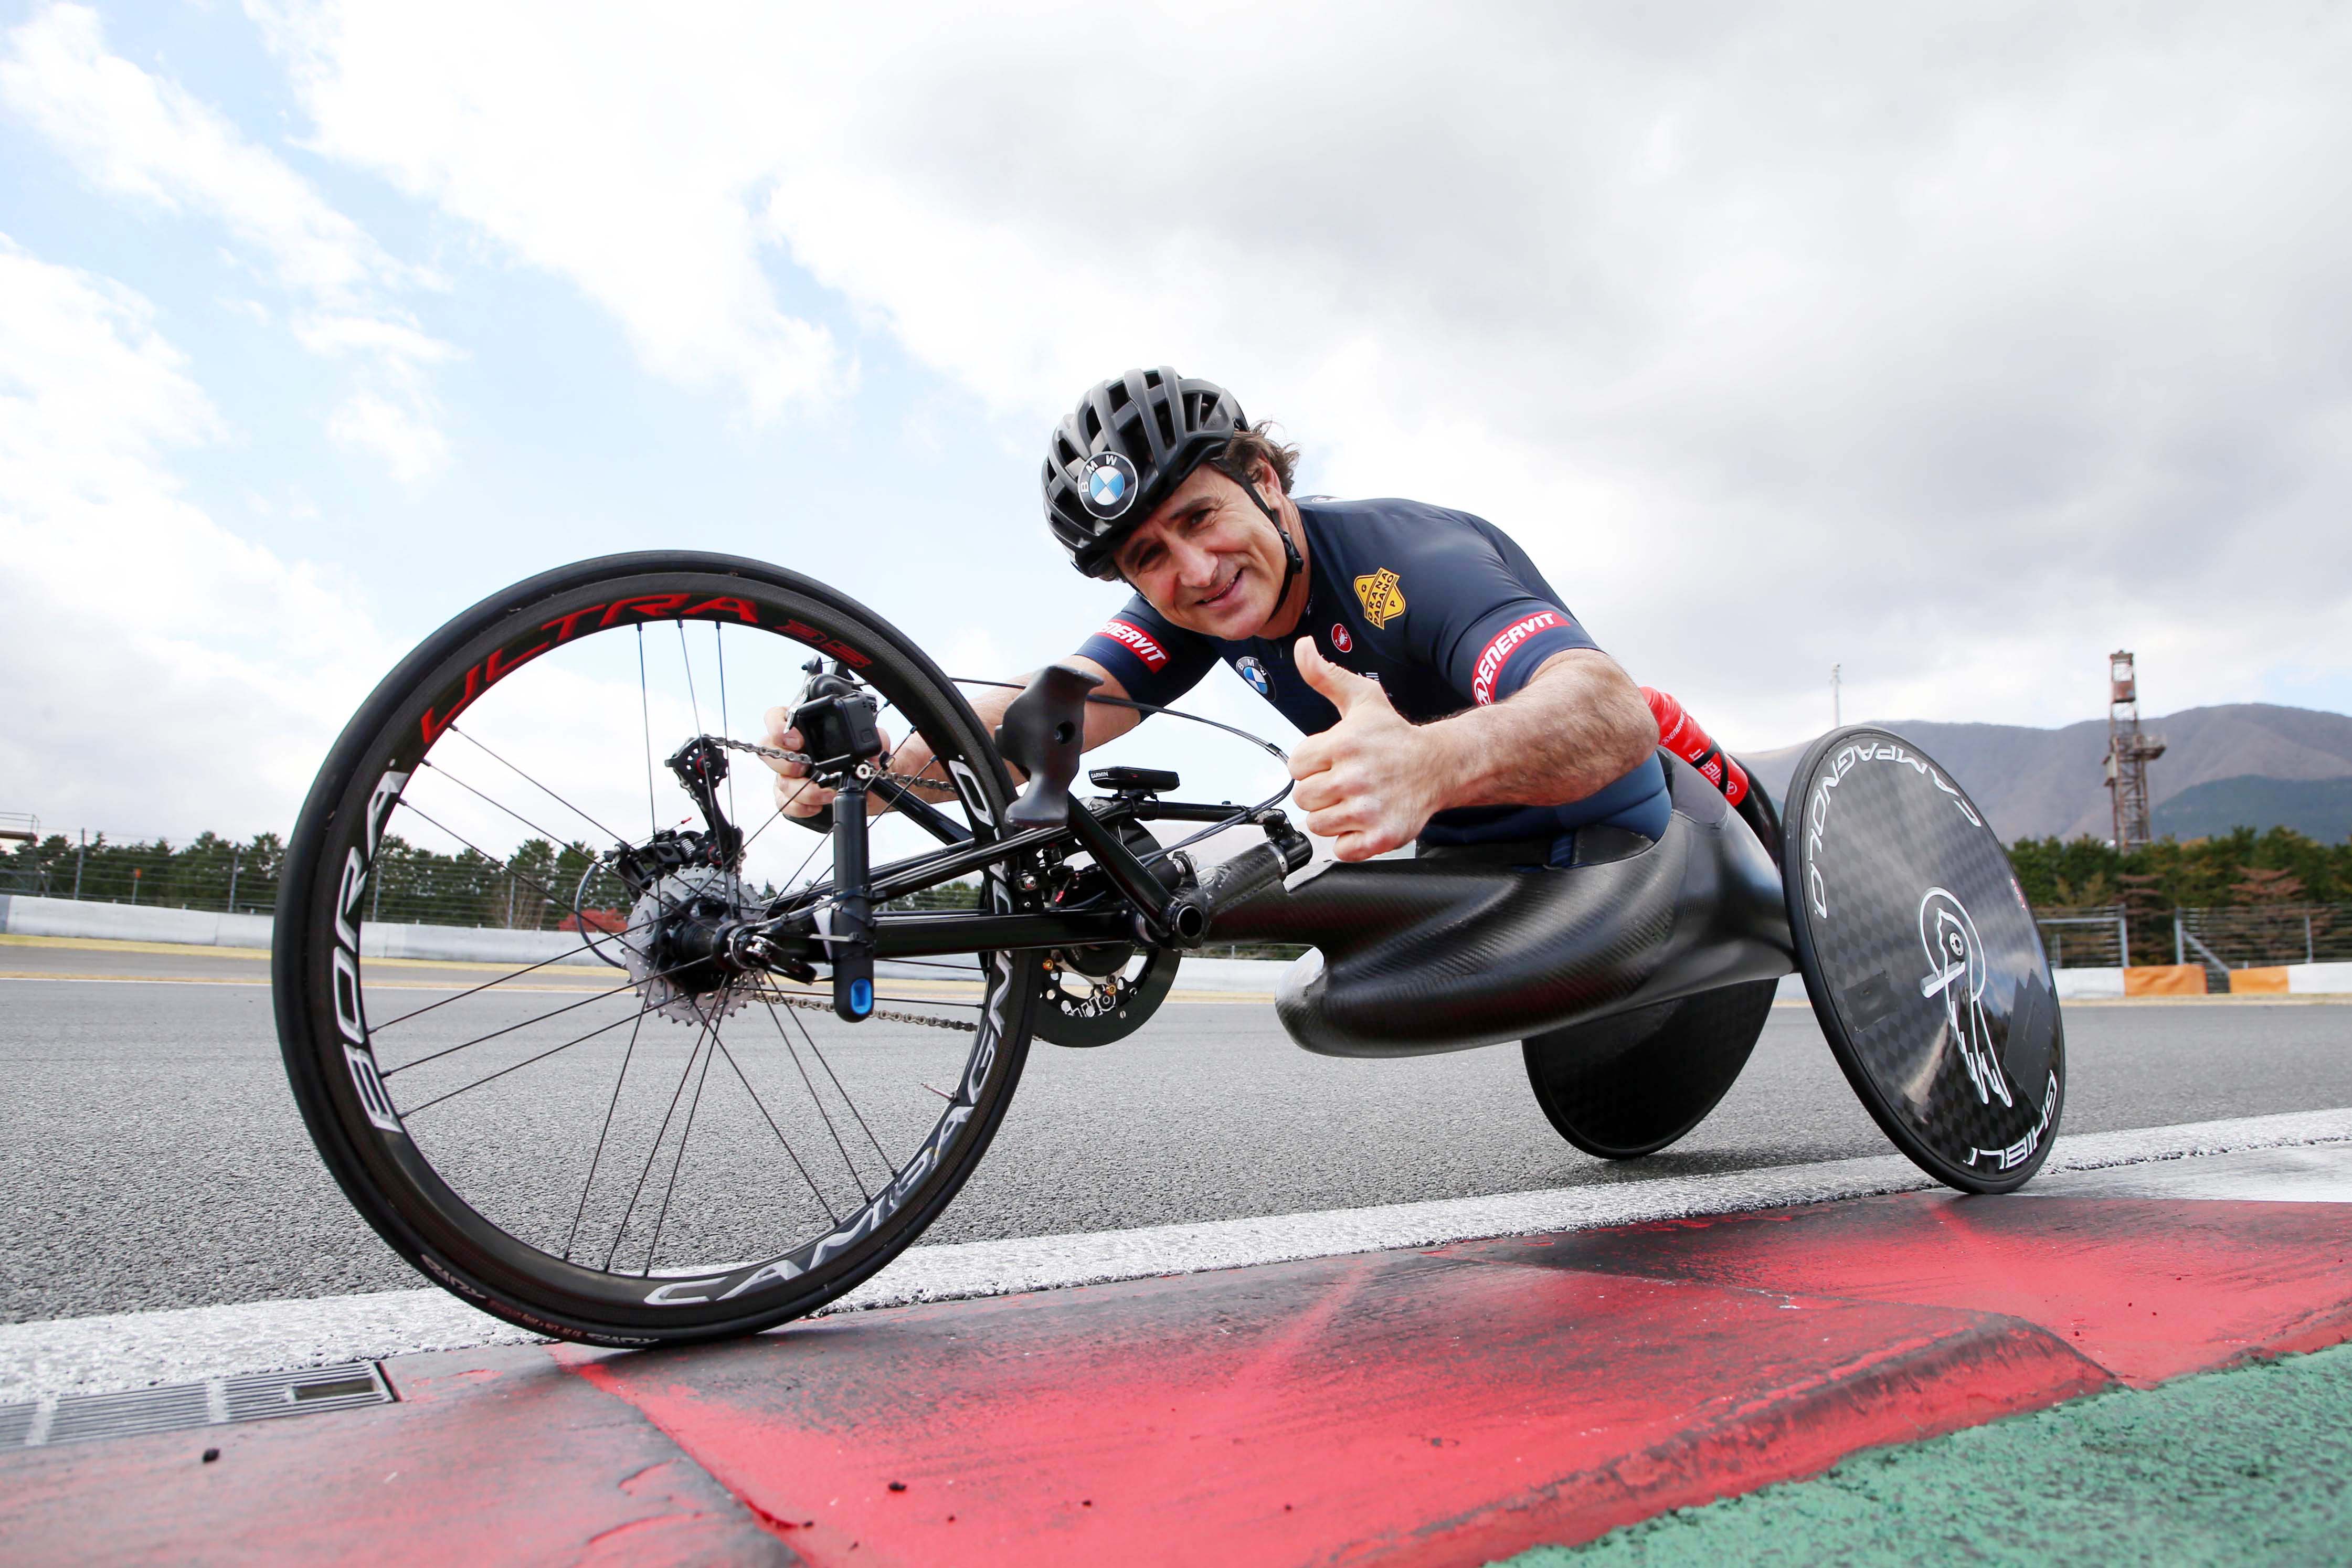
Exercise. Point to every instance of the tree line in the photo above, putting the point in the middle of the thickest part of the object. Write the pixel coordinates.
(2278, 884)
(535, 888)
(2239, 868)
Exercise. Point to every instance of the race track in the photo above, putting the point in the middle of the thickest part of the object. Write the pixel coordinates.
(152, 1157)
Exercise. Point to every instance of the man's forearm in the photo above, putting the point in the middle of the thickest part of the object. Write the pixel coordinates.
(1577, 727)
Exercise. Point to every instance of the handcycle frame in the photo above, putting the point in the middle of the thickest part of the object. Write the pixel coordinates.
(1126, 902)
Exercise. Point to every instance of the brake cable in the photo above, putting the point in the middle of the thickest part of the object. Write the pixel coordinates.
(1241, 814)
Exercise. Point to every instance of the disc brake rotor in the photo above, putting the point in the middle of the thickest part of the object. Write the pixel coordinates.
(1081, 1009)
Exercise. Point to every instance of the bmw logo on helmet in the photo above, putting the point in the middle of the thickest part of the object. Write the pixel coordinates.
(1108, 483)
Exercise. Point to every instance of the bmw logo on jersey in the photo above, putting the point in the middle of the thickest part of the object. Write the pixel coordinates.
(1255, 673)
(1108, 484)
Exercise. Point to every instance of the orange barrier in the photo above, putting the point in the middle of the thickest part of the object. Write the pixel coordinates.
(2267, 982)
(2164, 979)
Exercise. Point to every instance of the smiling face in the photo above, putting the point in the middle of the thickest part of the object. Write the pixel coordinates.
(1207, 559)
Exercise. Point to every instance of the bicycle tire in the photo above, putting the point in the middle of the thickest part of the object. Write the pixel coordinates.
(412, 1193)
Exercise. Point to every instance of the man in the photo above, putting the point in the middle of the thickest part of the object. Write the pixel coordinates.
(1451, 698)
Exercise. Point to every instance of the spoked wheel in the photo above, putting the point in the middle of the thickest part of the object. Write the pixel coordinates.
(602, 1139)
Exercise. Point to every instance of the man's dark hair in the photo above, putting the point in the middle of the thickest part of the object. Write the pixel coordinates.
(1245, 448)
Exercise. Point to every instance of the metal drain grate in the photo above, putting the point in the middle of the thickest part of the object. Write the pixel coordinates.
(184, 1406)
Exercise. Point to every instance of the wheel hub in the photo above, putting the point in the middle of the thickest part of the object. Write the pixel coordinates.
(671, 956)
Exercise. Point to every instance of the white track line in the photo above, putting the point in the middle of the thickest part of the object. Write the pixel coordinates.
(132, 1350)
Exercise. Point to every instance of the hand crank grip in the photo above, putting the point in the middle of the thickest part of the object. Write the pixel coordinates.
(1230, 882)
(1043, 733)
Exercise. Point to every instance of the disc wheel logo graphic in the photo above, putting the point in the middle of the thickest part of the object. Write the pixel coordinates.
(1956, 971)
(1922, 961)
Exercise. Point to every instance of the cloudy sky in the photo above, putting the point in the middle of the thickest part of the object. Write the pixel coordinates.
(1956, 351)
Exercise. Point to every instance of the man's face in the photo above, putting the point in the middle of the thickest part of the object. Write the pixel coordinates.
(1207, 559)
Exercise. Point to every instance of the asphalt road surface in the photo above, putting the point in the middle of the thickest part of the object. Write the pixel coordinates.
(151, 1155)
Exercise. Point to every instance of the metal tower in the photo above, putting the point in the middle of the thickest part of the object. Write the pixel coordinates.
(2128, 754)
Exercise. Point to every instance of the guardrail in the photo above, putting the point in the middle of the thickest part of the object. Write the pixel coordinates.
(27, 916)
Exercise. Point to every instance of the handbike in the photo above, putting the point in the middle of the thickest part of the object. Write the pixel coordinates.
(800, 1046)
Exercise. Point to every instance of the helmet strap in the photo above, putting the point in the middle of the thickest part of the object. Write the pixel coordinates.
(1293, 564)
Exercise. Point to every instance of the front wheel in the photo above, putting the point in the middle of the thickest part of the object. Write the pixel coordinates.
(551, 1118)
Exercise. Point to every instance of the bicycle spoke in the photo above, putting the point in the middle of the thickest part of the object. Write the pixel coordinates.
(600, 1029)
(527, 1022)
(685, 1136)
(552, 837)
(718, 643)
(653, 1154)
(534, 783)
(790, 1153)
(376, 1029)
(602, 1133)
(496, 864)
(824, 840)
(836, 1084)
(646, 707)
(856, 1180)
(694, 703)
(774, 817)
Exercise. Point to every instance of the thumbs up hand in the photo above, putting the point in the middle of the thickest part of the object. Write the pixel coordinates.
(1369, 782)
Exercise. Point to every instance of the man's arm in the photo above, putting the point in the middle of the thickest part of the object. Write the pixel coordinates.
(1372, 782)
(795, 796)
(1577, 726)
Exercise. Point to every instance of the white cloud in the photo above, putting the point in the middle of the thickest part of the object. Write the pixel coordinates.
(144, 137)
(163, 674)
(1960, 355)
(647, 211)
(411, 448)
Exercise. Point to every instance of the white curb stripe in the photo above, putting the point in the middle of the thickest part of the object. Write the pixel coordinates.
(132, 1350)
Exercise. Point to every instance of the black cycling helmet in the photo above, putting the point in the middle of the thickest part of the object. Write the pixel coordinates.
(1131, 441)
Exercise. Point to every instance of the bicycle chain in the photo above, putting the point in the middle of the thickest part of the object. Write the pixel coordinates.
(907, 781)
(811, 1004)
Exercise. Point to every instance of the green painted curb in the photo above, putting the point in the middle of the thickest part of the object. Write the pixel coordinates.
(2252, 1465)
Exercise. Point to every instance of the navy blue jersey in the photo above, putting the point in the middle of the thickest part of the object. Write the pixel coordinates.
(1441, 607)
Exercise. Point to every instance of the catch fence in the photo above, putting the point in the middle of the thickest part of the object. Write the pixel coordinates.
(530, 892)
(538, 889)
(2221, 937)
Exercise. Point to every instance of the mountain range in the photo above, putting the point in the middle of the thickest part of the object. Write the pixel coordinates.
(2254, 762)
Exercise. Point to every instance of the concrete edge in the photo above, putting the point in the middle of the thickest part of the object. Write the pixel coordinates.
(132, 1350)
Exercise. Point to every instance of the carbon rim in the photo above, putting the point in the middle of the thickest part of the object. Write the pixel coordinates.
(1922, 961)
(762, 1170)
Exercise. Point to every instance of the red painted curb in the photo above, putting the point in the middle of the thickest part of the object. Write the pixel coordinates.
(2150, 1288)
(1417, 1408)
(1320, 1412)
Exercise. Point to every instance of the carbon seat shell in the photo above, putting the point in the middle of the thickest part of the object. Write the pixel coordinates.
(1422, 957)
